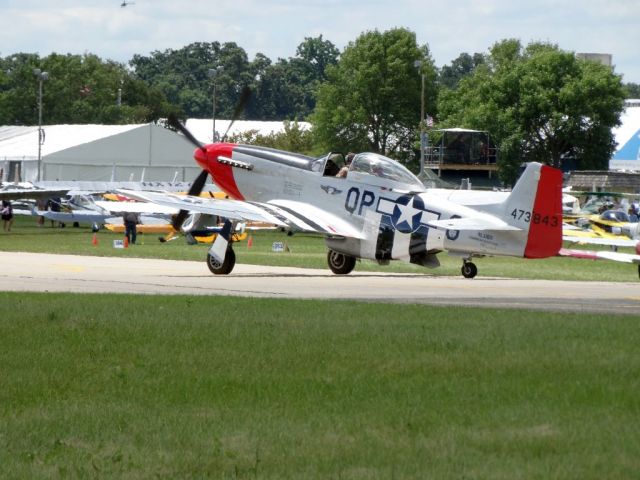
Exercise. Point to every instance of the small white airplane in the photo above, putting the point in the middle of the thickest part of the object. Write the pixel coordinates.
(379, 211)
(86, 209)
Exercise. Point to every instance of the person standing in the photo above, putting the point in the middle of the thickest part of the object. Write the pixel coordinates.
(7, 215)
(131, 221)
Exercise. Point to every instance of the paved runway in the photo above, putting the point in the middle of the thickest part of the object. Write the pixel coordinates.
(70, 273)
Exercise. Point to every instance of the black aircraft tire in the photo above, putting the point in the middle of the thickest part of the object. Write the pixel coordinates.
(225, 267)
(469, 270)
(339, 263)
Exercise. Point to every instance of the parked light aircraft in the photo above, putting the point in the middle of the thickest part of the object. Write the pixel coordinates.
(86, 209)
(611, 227)
(380, 211)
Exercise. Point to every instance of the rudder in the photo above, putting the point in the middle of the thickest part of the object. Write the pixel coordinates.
(535, 206)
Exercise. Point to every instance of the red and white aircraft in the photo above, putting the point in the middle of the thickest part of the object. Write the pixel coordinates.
(379, 211)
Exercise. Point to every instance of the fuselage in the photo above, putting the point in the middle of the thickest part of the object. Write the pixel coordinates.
(379, 198)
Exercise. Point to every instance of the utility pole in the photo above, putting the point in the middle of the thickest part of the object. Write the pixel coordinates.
(41, 76)
(213, 74)
(119, 98)
(423, 135)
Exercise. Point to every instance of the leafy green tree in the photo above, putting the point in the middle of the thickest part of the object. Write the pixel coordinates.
(80, 89)
(371, 99)
(293, 139)
(632, 90)
(539, 104)
(287, 89)
(450, 75)
(183, 76)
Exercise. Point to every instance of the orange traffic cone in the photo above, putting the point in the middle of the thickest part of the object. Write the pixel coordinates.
(94, 240)
(250, 242)
(126, 242)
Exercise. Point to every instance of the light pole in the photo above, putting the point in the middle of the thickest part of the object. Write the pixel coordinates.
(213, 74)
(41, 76)
(423, 135)
(119, 97)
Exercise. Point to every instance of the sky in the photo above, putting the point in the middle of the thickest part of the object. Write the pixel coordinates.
(276, 27)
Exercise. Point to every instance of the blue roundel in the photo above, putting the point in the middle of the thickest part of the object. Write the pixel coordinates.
(407, 213)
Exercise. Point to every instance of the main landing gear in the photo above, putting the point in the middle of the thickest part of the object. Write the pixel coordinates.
(225, 267)
(469, 269)
(339, 263)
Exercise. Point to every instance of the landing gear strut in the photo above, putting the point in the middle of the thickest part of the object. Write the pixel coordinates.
(339, 263)
(226, 266)
(469, 269)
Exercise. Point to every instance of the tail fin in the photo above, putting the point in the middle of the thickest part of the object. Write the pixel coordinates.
(535, 206)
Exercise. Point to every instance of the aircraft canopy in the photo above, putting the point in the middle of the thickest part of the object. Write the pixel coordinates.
(384, 168)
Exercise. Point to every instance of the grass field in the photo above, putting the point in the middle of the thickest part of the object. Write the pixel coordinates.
(117, 386)
(305, 251)
(107, 386)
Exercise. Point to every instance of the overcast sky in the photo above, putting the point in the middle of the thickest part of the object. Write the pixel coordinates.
(276, 27)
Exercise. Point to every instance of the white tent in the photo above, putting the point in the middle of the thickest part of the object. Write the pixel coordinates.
(96, 152)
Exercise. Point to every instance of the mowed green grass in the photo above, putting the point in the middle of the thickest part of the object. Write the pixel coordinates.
(118, 386)
(308, 251)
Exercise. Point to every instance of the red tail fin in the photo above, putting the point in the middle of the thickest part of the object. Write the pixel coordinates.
(545, 229)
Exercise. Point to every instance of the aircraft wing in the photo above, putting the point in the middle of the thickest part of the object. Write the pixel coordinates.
(600, 255)
(68, 217)
(282, 213)
(574, 234)
(609, 242)
(478, 223)
(20, 193)
(145, 208)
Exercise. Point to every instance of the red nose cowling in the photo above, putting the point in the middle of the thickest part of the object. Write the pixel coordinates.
(222, 174)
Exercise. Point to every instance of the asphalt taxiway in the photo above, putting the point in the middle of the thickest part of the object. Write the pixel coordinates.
(38, 272)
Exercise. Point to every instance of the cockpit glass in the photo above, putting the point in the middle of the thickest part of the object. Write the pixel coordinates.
(384, 167)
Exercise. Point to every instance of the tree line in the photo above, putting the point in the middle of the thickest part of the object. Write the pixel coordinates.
(537, 101)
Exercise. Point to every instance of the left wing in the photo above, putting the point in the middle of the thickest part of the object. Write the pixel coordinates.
(282, 213)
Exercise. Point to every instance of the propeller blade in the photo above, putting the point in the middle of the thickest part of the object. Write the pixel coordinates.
(198, 184)
(196, 189)
(242, 103)
(175, 123)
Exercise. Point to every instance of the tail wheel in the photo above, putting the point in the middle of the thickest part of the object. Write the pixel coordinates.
(225, 267)
(469, 270)
(339, 263)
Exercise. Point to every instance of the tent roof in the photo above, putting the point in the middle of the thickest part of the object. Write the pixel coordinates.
(22, 142)
(458, 130)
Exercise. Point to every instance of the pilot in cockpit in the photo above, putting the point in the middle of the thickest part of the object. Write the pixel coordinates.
(345, 169)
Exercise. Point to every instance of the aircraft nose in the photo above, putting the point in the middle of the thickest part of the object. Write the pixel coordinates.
(201, 157)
